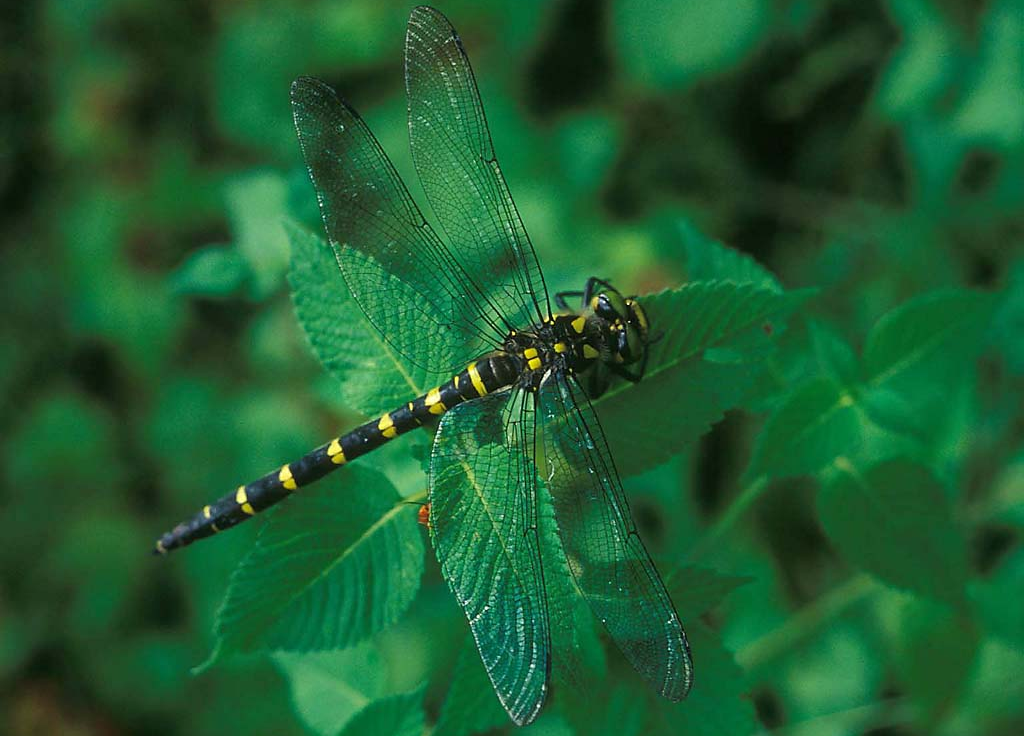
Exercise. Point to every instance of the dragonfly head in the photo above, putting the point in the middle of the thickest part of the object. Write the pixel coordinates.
(626, 322)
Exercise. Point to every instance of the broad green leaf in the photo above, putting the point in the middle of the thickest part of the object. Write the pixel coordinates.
(665, 44)
(709, 260)
(1008, 323)
(895, 521)
(936, 647)
(995, 693)
(471, 705)
(811, 428)
(398, 715)
(890, 410)
(989, 597)
(927, 341)
(984, 115)
(336, 563)
(612, 711)
(256, 205)
(215, 270)
(693, 319)
(641, 429)
(708, 314)
(825, 673)
(328, 688)
(834, 355)
(717, 705)
(921, 63)
(373, 377)
(697, 590)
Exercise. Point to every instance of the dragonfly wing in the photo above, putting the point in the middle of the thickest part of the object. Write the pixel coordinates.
(483, 516)
(456, 163)
(399, 271)
(606, 557)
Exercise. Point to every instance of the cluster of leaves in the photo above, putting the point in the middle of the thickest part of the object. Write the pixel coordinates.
(844, 546)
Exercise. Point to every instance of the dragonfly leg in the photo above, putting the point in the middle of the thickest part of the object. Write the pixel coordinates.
(633, 376)
(561, 296)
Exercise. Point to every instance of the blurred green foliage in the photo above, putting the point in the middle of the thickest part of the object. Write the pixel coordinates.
(844, 547)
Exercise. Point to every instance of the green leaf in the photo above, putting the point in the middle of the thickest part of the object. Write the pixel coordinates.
(984, 115)
(257, 204)
(667, 43)
(329, 688)
(1008, 322)
(927, 341)
(895, 521)
(399, 715)
(834, 355)
(717, 705)
(708, 314)
(339, 562)
(709, 260)
(215, 270)
(812, 427)
(471, 705)
(890, 410)
(693, 319)
(697, 590)
(920, 65)
(641, 431)
(936, 648)
(613, 711)
(989, 597)
(373, 377)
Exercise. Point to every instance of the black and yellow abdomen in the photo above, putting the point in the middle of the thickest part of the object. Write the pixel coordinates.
(487, 375)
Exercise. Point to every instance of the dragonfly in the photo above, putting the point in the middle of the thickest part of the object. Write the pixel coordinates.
(514, 418)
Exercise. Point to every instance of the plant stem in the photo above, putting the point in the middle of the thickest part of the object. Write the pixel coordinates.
(805, 622)
(729, 517)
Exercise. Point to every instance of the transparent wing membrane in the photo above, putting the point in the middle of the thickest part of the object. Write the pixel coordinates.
(604, 551)
(456, 163)
(404, 278)
(483, 509)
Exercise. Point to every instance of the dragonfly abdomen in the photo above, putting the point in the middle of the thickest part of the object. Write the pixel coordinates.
(480, 378)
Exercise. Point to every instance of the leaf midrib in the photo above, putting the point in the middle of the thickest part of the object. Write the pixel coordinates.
(931, 344)
(363, 537)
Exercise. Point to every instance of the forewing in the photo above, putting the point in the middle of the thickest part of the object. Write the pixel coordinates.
(396, 267)
(484, 528)
(455, 160)
(604, 551)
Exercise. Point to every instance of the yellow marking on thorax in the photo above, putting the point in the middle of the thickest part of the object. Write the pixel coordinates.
(478, 382)
(530, 353)
(433, 402)
(242, 500)
(285, 476)
(387, 426)
(589, 351)
(579, 323)
(561, 347)
(335, 452)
